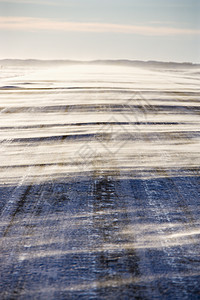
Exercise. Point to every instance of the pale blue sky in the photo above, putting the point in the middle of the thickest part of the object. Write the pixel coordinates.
(167, 30)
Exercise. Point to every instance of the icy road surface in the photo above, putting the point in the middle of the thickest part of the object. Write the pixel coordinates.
(99, 183)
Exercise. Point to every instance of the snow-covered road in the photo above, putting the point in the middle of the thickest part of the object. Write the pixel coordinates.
(99, 183)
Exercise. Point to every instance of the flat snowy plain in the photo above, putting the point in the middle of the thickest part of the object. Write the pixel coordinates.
(99, 182)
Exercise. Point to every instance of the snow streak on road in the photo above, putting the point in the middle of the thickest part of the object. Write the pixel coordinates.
(99, 183)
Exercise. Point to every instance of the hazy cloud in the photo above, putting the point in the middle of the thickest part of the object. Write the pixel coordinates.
(35, 24)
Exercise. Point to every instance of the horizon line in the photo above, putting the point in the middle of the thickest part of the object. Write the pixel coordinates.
(96, 60)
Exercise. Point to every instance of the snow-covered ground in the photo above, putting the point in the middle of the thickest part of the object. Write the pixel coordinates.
(99, 182)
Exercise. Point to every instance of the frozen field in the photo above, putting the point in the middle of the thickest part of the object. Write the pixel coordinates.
(99, 182)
